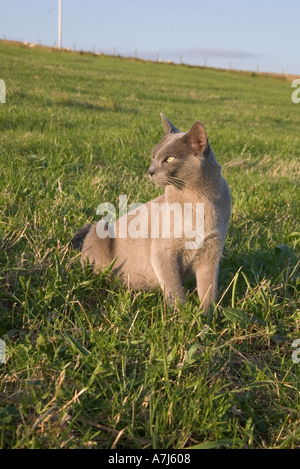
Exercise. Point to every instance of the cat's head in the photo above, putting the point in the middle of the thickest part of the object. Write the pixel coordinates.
(180, 155)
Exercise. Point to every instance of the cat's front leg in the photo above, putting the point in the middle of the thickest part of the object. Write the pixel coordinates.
(166, 268)
(207, 284)
(206, 270)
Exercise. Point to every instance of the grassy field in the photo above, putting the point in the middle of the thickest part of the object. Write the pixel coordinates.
(91, 367)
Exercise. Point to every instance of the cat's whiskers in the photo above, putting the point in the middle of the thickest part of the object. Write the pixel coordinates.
(162, 180)
(177, 182)
(173, 178)
(173, 182)
(180, 183)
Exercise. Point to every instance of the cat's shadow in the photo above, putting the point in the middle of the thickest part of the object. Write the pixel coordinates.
(257, 267)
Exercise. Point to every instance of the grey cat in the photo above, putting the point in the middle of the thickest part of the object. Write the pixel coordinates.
(185, 165)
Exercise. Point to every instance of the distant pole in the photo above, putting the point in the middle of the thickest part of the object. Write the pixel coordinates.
(59, 24)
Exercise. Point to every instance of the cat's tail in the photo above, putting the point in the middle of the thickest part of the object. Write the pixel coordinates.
(79, 237)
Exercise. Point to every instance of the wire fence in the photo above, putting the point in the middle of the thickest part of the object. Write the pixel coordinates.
(168, 57)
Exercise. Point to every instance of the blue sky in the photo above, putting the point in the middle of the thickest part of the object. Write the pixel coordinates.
(243, 34)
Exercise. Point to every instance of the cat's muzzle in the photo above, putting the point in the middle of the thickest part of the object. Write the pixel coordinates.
(151, 171)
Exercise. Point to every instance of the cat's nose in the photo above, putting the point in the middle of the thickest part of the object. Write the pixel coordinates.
(151, 171)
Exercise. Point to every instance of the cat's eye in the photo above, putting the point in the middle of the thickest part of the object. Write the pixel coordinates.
(170, 159)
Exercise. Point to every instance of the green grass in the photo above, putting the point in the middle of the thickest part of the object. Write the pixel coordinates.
(90, 367)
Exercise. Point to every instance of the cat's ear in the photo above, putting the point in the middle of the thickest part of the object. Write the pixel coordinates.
(168, 126)
(196, 138)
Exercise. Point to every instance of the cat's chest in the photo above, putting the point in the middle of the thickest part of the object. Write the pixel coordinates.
(188, 257)
(200, 252)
